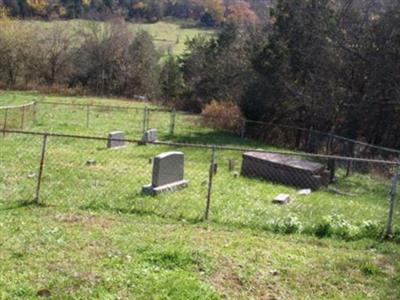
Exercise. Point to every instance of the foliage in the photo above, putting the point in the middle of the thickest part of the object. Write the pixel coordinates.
(171, 81)
(207, 12)
(223, 115)
(317, 65)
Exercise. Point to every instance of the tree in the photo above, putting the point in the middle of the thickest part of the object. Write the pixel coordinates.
(219, 68)
(171, 79)
(99, 61)
(16, 40)
(55, 45)
(214, 11)
(241, 12)
(140, 74)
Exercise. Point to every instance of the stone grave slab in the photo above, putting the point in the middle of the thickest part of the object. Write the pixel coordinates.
(284, 169)
(168, 173)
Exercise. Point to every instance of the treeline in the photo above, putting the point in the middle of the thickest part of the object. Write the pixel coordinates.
(207, 12)
(318, 64)
(323, 65)
(101, 58)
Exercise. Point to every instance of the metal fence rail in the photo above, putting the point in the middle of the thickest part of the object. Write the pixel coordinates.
(227, 185)
(136, 120)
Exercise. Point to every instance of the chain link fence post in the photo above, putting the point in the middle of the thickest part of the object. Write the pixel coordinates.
(40, 173)
(22, 117)
(210, 182)
(34, 112)
(87, 115)
(173, 118)
(243, 129)
(393, 194)
(145, 115)
(5, 122)
(350, 153)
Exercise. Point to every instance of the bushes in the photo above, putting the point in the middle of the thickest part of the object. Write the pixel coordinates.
(101, 58)
(223, 115)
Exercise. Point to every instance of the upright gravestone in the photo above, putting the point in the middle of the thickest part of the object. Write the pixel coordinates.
(114, 139)
(149, 136)
(167, 173)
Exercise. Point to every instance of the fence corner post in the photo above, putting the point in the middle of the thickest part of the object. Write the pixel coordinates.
(40, 172)
(210, 182)
(389, 232)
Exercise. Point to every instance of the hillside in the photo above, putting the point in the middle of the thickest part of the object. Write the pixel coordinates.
(168, 36)
(95, 236)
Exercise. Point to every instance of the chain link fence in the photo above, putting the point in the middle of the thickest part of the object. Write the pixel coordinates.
(17, 116)
(314, 141)
(96, 119)
(277, 191)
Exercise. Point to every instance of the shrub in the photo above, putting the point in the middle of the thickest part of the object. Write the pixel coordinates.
(223, 115)
(336, 225)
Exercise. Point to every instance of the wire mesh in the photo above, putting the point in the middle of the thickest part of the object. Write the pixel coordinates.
(17, 117)
(87, 174)
(347, 206)
(19, 163)
(323, 198)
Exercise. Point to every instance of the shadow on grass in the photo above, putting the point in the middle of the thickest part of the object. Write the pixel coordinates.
(139, 212)
(22, 204)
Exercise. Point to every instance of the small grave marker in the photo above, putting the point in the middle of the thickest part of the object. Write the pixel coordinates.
(282, 199)
(91, 162)
(149, 136)
(304, 192)
(114, 139)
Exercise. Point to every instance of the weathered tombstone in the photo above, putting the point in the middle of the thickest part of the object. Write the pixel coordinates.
(168, 171)
(114, 139)
(149, 136)
(282, 199)
(91, 162)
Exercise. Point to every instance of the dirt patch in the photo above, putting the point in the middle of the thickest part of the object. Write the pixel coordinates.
(92, 221)
(229, 284)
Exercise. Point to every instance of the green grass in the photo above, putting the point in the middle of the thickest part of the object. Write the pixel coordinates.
(97, 236)
(75, 254)
(115, 182)
(168, 35)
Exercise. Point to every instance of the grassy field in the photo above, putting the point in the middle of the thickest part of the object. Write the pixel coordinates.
(97, 236)
(168, 35)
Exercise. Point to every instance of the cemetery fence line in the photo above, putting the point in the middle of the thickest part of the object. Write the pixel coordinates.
(393, 165)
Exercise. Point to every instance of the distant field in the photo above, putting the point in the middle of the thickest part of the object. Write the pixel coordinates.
(168, 35)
